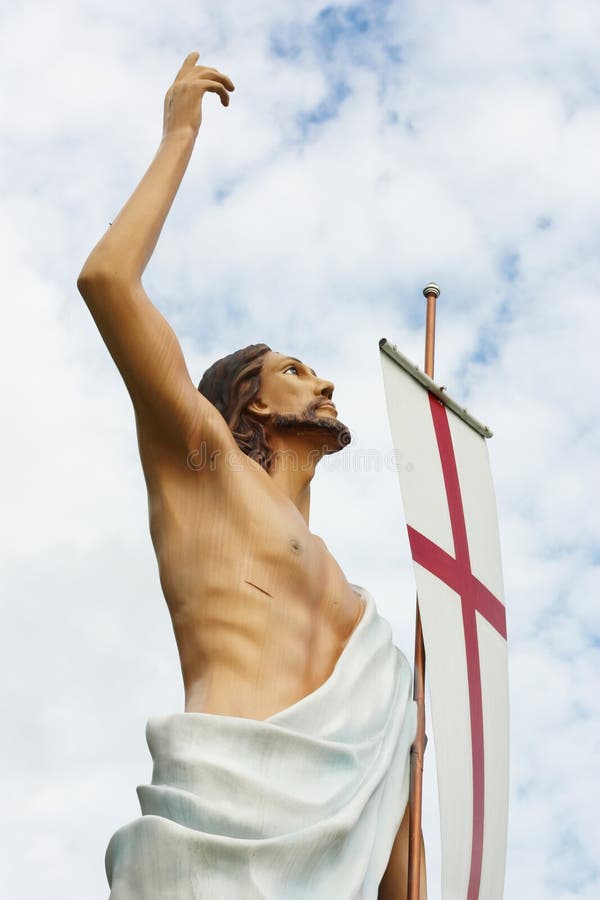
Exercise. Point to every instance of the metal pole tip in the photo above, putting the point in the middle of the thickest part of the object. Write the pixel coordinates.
(431, 288)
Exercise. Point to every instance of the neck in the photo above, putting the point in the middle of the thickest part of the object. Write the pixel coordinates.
(293, 468)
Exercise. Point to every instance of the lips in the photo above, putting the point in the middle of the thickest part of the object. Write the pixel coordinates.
(327, 405)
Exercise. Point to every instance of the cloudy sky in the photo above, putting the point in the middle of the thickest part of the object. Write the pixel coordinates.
(369, 148)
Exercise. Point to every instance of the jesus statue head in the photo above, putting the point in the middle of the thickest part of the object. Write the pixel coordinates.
(275, 405)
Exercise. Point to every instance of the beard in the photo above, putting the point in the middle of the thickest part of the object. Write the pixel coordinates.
(335, 434)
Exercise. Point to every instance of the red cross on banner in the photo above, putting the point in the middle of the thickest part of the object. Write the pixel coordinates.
(450, 512)
(475, 597)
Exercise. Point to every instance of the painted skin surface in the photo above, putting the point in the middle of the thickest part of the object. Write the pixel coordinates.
(260, 609)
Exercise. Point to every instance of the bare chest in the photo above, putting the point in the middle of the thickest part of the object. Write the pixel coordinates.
(261, 609)
(288, 562)
(229, 549)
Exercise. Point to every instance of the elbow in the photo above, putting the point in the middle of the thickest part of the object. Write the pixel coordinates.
(99, 276)
(95, 269)
(86, 281)
(91, 282)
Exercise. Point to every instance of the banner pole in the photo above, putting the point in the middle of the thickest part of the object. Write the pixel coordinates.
(431, 292)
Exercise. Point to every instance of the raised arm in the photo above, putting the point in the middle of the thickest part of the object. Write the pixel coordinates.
(141, 342)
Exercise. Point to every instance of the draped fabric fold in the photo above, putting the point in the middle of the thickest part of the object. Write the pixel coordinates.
(305, 804)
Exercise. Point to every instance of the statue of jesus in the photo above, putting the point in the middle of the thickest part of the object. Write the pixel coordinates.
(287, 773)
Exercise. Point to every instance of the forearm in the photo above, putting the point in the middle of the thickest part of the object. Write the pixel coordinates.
(122, 254)
(138, 337)
(125, 249)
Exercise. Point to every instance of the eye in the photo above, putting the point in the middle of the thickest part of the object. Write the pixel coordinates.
(293, 369)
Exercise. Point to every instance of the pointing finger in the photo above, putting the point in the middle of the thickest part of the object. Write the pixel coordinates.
(188, 64)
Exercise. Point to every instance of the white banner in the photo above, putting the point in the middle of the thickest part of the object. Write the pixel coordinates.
(450, 511)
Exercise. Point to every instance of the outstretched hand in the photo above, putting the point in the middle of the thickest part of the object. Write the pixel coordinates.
(183, 102)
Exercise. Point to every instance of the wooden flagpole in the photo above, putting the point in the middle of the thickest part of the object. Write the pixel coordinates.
(431, 292)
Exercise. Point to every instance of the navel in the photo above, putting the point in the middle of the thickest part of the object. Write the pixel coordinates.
(295, 545)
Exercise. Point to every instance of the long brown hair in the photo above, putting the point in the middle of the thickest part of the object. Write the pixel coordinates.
(231, 384)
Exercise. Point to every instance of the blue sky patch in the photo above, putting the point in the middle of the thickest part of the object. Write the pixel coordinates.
(358, 34)
(222, 193)
(487, 349)
(510, 265)
(326, 109)
(335, 24)
(569, 865)
(284, 42)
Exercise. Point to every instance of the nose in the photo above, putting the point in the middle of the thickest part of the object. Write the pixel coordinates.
(325, 388)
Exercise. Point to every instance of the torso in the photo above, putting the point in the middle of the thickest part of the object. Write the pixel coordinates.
(261, 610)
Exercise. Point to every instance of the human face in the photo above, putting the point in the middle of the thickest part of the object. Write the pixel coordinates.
(293, 397)
(289, 387)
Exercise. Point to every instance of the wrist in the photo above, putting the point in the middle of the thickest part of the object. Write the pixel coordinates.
(183, 135)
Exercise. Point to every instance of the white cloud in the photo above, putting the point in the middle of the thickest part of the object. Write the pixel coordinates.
(466, 154)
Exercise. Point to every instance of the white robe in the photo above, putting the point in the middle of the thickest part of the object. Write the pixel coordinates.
(305, 804)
